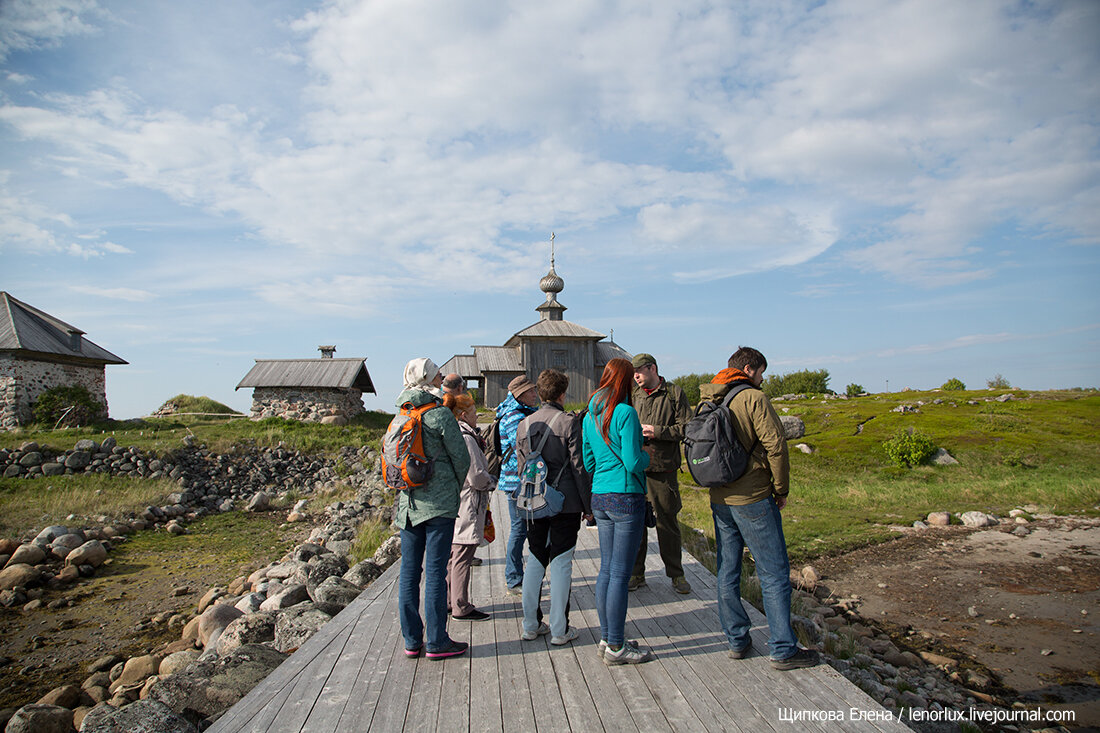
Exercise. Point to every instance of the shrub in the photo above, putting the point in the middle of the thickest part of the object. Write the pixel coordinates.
(190, 403)
(909, 448)
(801, 382)
(953, 385)
(854, 389)
(690, 384)
(997, 382)
(69, 407)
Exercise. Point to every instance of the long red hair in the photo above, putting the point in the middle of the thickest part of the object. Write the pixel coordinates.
(615, 387)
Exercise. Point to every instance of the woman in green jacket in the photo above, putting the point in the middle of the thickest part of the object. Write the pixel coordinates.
(426, 516)
(613, 454)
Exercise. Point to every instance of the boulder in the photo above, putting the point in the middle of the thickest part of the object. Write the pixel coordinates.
(325, 566)
(136, 670)
(66, 696)
(295, 625)
(86, 444)
(250, 603)
(793, 427)
(388, 552)
(78, 460)
(16, 575)
(335, 591)
(91, 553)
(295, 571)
(51, 533)
(53, 469)
(144, 716)
(939, 519)
(979, 519)
(28, 554)
(286, 598)
(363, 573)
(177, 662)
(259, 502)
(31, 458)
(41, 719)
(252, 628)
(214, 619)
(209, 597)
(942, 458)
(104, 663)
(208, 688)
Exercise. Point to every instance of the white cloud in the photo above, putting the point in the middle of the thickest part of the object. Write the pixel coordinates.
(132, 295)
(31, 24)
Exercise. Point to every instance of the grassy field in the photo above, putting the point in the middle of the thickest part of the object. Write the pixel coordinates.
(1040, 448)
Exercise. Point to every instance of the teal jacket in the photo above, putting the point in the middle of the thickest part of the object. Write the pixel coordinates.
(609, 474)
(443, 442)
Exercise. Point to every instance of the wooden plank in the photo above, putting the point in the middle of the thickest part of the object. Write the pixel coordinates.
(374, 671)
(486, 715)
(393, 702)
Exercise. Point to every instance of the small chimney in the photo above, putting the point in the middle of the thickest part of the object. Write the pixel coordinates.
(75, 342)
(326, 351)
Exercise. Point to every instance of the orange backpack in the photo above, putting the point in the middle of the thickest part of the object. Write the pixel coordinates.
(404, 463)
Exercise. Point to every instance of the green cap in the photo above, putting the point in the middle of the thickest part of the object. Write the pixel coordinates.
(641, 360)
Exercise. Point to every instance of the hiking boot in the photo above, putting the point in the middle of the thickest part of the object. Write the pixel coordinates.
(514, 590)
(569, 635)
(628, 653)
(474, 615)
(741, 653)
(680, 585)
(801, 658)
(635, 582)
(542, 630)
(455, 649)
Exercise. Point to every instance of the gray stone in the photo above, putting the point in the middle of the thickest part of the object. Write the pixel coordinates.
(294, 571)
(942, 458)
(286, 598)
(177, 662)
(18, 575)
(27, 554)
(335, 591)
(979, 519)
(793, 427)
(208, 688)
(13, 470)
(216, 618)
(33, 458)
(41, 719)
(259, 502)
(252, 628)
(325, 566)
(804, 448)
(209, 597)
(78, 460)
(250, 603)
(104, 663)
(136, 670)
(91, 553)
(388, 552)
(86, 444)
(108, 444)
(939, 519)
(143, 716)
(295, 625)
(53, 469)
(69, 541)
(363, 573)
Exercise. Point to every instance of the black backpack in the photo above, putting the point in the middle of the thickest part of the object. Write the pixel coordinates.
(492, 448)
(714, 455)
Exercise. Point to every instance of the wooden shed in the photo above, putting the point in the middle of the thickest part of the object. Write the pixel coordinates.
(39, 352)
(326, 390)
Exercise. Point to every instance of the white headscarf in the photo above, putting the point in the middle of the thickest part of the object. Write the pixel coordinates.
(420, 373)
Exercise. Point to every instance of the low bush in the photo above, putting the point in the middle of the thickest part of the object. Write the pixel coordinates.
(909, 448)
(68, 407)
(853, 390)
(997, 382)
(690, 384)
(953, 385)
(805, 381)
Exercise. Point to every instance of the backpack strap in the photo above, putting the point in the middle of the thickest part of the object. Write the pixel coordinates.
(726, 404)
(542, 443)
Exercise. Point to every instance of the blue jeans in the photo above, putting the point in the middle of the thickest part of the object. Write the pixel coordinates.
(425, 546)
(760, 527)
(620, 534)
(513, 555)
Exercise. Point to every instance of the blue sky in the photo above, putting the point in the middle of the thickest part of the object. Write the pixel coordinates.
(898, 192)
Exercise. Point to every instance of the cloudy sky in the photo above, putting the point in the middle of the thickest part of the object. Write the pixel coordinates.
(898, 192)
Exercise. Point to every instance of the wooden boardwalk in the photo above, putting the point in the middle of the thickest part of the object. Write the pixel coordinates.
(353, 675)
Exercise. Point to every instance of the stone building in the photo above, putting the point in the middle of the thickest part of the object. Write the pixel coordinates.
(39, 352)
(325, 390)
(551, 342)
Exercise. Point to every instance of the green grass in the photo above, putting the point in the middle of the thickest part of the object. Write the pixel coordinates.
(190, 403)
(40, 502)
(218, 434)
(372, 533)
(1040, 448)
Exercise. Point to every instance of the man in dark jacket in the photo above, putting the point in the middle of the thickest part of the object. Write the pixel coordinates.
(551, 540)
(663, 411)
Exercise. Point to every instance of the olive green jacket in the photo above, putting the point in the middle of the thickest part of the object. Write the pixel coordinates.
(444, 443)
(667, 410)
(761, 432)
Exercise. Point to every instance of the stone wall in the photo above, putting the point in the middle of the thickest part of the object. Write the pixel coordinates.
(23, 380)
(313, 404)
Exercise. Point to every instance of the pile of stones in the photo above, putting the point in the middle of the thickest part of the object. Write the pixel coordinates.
(238, 634)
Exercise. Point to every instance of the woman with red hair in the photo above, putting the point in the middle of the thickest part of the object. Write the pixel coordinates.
(613, 455)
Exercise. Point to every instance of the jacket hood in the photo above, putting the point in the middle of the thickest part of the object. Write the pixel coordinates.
(730, 375)
(417, 397)
(511, 404)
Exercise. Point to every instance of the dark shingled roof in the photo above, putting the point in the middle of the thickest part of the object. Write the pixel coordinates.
(331, 373)
(24, 328)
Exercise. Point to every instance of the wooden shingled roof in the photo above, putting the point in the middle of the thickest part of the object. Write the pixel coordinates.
(24, 328)
(331, 373)
(555, 330)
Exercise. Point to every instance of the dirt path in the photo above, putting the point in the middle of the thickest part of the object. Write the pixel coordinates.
(1025, 608)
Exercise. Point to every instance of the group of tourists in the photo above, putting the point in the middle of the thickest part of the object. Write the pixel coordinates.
(616, 463)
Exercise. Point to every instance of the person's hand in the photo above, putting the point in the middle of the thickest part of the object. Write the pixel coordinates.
(780, 502)
(647, 431)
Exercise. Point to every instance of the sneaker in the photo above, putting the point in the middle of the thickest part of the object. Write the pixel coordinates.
(680, 585)
(635, 582)
(801, 658)
(474, 615)
(542, 630)
(741, 653)
(514, 590)
(455, 649)
(628, 653)
(413, 653)
(601, 648)
(569, 635)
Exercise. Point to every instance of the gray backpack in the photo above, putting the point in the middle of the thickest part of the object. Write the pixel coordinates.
(714, 455)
